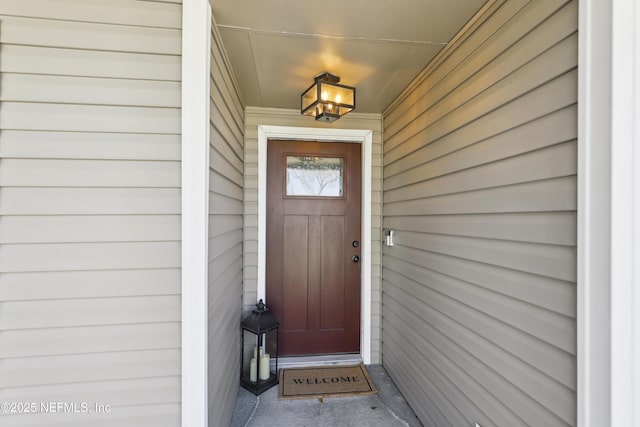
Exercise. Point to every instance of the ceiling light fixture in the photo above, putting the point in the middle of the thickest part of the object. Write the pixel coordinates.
(326, 100)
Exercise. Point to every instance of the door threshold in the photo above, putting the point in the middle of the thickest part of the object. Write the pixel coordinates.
(323, 360)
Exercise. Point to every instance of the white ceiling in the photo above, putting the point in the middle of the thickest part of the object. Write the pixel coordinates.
(378, 46)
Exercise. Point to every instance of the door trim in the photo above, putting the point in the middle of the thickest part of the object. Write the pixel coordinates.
(363, 137)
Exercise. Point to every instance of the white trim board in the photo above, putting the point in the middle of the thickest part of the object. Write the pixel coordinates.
(196, 48)
(364, 137)
(625, 214)
(608, 221)
(594, 175)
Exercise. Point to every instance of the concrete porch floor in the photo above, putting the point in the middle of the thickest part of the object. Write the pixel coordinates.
(387, 408)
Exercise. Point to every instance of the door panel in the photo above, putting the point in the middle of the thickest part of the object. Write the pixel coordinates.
(295, 289)
(313, 286)
(332, 278)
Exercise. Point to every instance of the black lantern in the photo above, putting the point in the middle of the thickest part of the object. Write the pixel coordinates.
(259, 363)
(326, 100)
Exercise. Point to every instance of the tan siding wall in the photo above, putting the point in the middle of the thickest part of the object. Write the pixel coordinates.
(225, 235)
(278, 117)
(479, 301)
(90, 210)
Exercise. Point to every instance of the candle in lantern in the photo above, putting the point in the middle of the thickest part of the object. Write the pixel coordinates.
(253, 370)
(264, 367)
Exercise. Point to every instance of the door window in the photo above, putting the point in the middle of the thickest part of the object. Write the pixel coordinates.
(310, 176)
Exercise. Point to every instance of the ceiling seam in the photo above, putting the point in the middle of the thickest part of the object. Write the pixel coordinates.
(328, 36)
(254, 59)
(384, 88)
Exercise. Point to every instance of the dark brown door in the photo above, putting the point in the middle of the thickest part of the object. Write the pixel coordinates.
(313, 245)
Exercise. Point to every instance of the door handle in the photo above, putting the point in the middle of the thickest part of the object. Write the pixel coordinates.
(355, 258)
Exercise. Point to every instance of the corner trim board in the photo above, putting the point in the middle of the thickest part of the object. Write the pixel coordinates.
(196, 48)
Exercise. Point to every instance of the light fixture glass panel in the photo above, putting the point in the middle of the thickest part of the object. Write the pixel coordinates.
(308, 98)
(336, 94)
(344, 110)
(314, 176)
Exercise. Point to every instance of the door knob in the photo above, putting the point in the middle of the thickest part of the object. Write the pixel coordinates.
(355, 258)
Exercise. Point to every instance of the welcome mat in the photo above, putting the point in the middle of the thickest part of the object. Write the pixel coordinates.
(325, 381)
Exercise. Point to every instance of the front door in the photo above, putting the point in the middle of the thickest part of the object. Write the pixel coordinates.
(313, 245)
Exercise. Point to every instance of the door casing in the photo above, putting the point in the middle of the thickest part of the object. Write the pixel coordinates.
(363, 137)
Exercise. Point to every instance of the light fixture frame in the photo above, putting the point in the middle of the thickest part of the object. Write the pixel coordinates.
(325, 110)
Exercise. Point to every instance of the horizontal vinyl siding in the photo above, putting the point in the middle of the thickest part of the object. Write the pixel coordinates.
(279, 117)
(480, 161)
(225, 234)
(90, 210)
